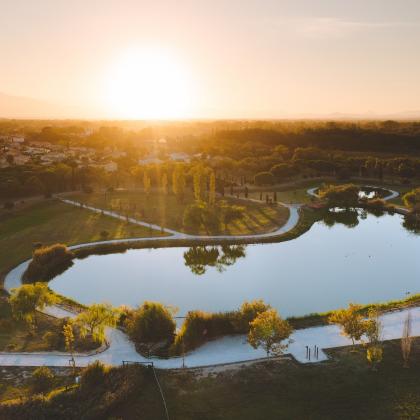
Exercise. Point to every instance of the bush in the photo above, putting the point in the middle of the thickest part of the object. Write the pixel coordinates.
(346, 195)
(52, 339)
(264, 178)
(93, 375)
(283, 170)
(104, 234)
(200, 326)
(248, 312)
(42, 380)
(47, 262)
(150, 323)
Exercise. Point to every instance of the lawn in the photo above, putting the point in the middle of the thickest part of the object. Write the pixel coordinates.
(51, 221)
(167, 211)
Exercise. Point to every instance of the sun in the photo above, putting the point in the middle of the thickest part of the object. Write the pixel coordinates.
(149, 83)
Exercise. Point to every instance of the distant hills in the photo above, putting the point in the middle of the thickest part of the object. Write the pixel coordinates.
(22, 107)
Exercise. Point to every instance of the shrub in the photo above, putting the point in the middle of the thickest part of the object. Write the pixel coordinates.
(42, 380)
(283, 170)
(47, 262)
(93, 375)
(376, 203)
(104, 234)
(412, 199)
(200, 326)
(150, 323)
(264, 178)
(346, 195)
(248, 312)
(52, 339)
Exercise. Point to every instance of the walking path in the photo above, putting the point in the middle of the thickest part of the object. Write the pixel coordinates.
(290, 224)
(229, 349)
(392, 194)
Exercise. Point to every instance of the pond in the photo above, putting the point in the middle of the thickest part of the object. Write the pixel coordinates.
(346, 257)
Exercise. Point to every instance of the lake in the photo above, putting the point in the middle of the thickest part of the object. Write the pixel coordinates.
(348, 257)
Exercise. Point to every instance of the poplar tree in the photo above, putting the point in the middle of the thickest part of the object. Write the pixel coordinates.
(212, 189)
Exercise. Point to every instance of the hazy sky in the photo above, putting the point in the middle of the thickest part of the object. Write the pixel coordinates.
(236, 58)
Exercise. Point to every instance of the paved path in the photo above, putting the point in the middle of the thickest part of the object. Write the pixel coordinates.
(290, 224)
(228, 349)
(392, 194)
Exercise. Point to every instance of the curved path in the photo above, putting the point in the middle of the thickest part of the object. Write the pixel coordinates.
(290, 224)
(392, 194)
(228, 349)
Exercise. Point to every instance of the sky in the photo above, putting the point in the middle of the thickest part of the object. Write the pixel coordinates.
(212, 59)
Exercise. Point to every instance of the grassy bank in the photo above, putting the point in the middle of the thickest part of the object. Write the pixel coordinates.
(16, 336)
(167, 211)
(50, 222)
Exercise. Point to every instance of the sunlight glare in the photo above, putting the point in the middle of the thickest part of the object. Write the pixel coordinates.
(149, 84)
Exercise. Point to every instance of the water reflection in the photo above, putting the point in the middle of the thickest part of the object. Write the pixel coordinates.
(199, 258)
(347, 217)
(412, 223)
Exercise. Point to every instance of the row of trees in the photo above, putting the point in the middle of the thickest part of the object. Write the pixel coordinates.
(314, 162)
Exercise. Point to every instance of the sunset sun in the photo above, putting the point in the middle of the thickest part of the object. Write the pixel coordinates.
(149, 84)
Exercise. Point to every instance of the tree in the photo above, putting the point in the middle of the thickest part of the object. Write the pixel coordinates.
(412, 199)
(374, 355)
(346, 195)
(164, 182)
(150, 323)
(200, 214)
(351, 321)
(95, 319)
(406, 341)
(248, 312)
(69, 341)
(373, 331)
(178, 182)
(230, 213)
(199, 182)
(212, 189)
(146, 182)
(42, 380)
(373, 326)
(268, 330)
(29, 298)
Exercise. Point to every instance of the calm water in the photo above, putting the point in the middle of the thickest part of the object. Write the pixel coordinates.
(374, 260)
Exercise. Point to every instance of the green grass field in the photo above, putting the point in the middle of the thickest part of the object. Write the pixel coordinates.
(50, 222)
(166, 210)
